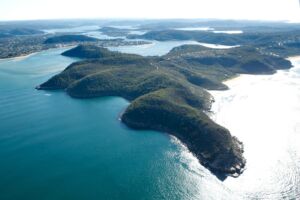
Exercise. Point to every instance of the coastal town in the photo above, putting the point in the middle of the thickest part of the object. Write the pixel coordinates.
(22, 45)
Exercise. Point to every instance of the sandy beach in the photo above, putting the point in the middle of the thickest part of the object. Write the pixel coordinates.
(31, 54)
(19, 57)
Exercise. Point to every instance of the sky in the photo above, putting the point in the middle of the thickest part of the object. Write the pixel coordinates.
(165, 9)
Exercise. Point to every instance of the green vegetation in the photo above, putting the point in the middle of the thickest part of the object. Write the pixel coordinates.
(22, 45)
(168, 93)
(222, 64)
(283, 43)
(89, 51)
(115, 32)
(178, 112)
(203, 36)
(14, 46)
(18, 32)
(69, 39)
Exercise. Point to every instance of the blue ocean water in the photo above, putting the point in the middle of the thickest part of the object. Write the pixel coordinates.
(56, 147)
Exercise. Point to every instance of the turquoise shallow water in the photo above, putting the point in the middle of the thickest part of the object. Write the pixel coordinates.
(56, 147)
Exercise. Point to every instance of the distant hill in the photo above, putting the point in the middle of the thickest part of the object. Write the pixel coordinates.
(203, 36)
(239, 60)
(114, 32)
(69, 39)
(283, 43)
(10, 32)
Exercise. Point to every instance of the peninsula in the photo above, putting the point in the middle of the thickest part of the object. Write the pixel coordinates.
(169, 93)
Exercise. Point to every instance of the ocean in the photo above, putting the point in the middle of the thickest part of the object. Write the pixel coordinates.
(55, 147)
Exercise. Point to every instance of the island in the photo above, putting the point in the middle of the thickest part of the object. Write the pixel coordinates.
(170, 93)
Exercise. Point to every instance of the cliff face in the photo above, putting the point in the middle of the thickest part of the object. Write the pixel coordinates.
(168, 93)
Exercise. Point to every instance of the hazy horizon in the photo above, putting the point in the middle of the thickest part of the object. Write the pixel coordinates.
(268, 10)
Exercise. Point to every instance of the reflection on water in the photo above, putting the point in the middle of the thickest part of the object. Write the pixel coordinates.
(101, 36)
(263, 112)
(158, 48)
(136, 32)
(230, 32)
(209, 29)
(202, 28)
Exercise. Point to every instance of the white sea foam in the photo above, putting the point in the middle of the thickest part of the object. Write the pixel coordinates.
(208, 186)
